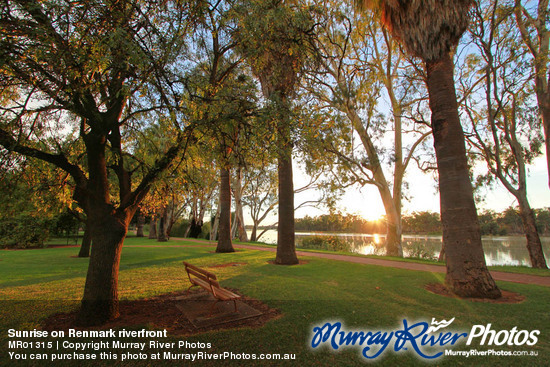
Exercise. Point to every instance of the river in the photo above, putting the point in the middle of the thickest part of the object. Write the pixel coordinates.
(499, 250)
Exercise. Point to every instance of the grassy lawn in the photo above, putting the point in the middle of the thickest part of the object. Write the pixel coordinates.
(38, 283)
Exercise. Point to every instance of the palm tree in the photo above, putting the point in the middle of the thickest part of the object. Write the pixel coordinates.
(430, 30)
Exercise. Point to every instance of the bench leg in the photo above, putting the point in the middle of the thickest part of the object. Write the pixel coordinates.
(212, 308)
(188, 289)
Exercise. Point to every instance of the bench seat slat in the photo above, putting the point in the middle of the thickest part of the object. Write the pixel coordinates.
(224, 294)
(208, 281)
(197, 270)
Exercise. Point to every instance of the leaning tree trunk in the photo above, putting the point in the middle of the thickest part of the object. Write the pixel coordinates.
(86, 243)
(286, 246)
(534, 246)
(393, 212)
(467, 274)
(153, 228)
(224, 226)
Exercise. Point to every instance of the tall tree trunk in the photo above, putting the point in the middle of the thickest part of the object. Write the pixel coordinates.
(254, 232)
(394, 227)
(86, 242)
(286, 246)
(100, 300)
(195, 228)
(239, 216)
(534, 246)
(170, 223)
(441, 257)
(394, 230)
(545, 113)
(153, 228)
(163, 224)
(224, 229)
(467, 274)
(214, 228)
(140, 222)
(234, 226)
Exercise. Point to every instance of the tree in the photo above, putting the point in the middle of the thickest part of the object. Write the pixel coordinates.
(85, 72)
(430, 30)
(345, 45)
(272, 36)
(504, 127)
(533, 27)
(237, 190)
(140, 222)
(224, 226)
(260, 194)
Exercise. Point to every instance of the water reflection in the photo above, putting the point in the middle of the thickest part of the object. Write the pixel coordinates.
(498, 250)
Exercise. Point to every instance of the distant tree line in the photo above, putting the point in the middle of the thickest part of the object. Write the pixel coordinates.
(492, 223)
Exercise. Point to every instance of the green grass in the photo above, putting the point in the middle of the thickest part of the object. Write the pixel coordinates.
(37, 283)
(502, 268)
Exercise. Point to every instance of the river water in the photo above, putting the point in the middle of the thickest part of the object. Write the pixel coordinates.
(499, 250)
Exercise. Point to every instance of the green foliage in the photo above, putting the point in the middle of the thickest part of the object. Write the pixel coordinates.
(331, 243)
(179, 228)
(336, 222)
(64, 224)
(543, 220)
(272, 36)
(418, 250)
(422, 222)
(24, 231)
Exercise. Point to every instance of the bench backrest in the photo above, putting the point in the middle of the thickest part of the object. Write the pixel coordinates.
(201, 274)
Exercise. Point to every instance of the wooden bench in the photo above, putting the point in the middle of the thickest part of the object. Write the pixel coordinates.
(205, 279)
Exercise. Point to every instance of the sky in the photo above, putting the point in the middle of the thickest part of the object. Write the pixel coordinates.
(423, 195)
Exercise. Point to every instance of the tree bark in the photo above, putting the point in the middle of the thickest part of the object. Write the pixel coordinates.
(195, 228)
(394, 230)
(441, 257)
(467, 274)
(153, 228)
(239, 216)
(214, 228)
(254, 232)
(86, 243)
(545, 113)
(534, 246)
(286, 246)
(224, 227)
(100, 300)
(163, 224)
(140, 222)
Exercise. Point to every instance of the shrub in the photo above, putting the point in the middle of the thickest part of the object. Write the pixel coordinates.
(331, 243)
(24, 231)
(419, 250)
(179, 228)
